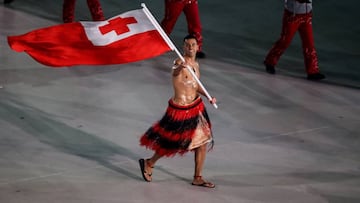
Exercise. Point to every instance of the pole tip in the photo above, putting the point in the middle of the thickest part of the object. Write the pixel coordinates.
(215, 105)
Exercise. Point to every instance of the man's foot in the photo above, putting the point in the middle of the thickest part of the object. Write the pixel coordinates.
(269, 68)
(8, 1)
(200, 55)
(145, 170)
(198, 181)
(315, 76)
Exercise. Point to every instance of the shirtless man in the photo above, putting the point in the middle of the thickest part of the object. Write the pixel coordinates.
(185, 125)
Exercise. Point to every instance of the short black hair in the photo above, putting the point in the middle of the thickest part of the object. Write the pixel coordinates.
(190, 36)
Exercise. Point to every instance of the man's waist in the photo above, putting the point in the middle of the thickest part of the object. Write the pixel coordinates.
(296, 7)
(183, 101)
(292, 13)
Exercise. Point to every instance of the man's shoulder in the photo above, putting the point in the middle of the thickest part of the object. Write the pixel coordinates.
(177, 61)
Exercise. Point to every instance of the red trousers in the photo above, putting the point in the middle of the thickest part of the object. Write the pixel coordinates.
(94, 6)
(173, 9)
(290, 25)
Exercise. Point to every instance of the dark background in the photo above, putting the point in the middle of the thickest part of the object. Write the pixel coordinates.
(241, 32)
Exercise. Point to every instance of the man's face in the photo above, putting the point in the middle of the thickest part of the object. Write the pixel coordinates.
(190, 47)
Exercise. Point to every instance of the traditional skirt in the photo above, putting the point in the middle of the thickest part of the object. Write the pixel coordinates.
(181, 129)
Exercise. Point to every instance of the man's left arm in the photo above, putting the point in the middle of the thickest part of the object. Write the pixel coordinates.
(202, 92)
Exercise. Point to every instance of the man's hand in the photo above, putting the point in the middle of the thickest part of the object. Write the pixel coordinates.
(178, 63)
(212, 100)
(177, 67)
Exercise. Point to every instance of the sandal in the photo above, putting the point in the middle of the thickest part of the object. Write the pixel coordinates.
(203, 184)
(143, 172)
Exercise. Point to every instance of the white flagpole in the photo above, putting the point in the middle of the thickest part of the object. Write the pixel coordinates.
(173, 47)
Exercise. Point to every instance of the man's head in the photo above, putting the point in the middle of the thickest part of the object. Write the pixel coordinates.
(190, 45)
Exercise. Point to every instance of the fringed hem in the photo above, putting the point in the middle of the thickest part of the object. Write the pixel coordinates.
(150, 144)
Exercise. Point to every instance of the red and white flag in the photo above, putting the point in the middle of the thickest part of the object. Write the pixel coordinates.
(125, 38)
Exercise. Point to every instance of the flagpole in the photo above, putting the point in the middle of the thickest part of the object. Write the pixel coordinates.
(173, 47)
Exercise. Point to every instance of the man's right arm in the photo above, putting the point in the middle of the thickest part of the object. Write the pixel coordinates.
(177, 67)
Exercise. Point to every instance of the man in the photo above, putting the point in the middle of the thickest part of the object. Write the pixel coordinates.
(94, 6)
(173, 9)
(185, 125)
(297, 17)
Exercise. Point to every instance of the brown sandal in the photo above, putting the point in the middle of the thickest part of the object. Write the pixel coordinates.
(203, 183)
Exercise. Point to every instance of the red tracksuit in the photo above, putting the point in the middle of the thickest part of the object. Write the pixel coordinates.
(94, 6)
(290, 25)
(173, 9)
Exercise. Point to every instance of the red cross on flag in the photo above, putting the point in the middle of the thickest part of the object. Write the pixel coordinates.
(125, 38)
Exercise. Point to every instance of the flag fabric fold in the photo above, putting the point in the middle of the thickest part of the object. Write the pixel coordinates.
(125, 38)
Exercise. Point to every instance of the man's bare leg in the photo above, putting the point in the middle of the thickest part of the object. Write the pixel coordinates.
(200, 155)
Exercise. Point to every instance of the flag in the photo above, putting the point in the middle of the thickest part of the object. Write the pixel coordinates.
(125, 38)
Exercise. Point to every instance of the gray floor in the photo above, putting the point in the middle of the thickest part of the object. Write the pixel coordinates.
(71, 134)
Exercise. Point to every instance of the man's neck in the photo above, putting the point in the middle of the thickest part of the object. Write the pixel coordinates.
(190, 58)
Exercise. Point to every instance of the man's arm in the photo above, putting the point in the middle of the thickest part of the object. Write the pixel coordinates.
(202, 92)
(177, 67)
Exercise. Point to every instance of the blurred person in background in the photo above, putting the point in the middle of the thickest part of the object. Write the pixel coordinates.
(94, 6)
(297, 17)
(173, 9)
